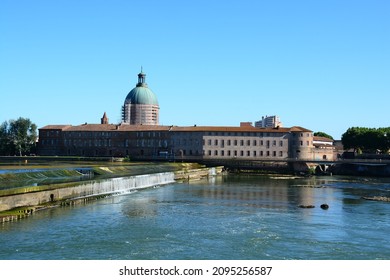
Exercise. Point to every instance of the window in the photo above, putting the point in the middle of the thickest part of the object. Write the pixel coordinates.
(281, 153)
(261, 153)
(274, 153)
(209, 153)
(254, 143)
(267, 153)
(248, 153)
(209, 142)
(235, 142)
(216, 142)
(281, 143)
(254, 153)
(248, 142)
(229, 142)
(274, 143)
(241, 142)
(222, 153)
(215, 152)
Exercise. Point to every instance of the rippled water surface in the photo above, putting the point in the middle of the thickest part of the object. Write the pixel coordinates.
(228, 217)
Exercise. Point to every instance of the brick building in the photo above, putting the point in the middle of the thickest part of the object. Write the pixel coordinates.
(140, 136)
(172, 142)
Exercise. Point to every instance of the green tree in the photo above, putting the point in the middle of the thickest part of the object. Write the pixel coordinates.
(323, 134)
(17, 137)
(4, 139)
(367, 139)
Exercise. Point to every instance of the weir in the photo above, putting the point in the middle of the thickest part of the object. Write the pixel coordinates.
(61, 194)
(87, 188)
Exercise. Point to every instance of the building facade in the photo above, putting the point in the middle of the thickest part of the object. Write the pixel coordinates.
(176, 142)
(324, 148)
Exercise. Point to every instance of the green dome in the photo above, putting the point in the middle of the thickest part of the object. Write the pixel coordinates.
(141, 95)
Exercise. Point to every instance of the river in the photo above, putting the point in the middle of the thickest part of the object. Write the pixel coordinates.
(225, 217)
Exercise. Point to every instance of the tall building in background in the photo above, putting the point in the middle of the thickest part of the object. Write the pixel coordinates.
(141, 105)
(269, 121)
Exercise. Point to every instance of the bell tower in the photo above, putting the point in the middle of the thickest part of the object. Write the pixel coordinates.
(104, 119)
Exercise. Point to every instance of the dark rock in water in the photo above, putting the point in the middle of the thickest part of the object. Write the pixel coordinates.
(324, 206)
(306, 206)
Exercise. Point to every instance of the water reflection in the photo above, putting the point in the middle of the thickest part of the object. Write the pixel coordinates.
(263, 192)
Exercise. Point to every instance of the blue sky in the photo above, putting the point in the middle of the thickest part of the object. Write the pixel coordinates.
(323, 65)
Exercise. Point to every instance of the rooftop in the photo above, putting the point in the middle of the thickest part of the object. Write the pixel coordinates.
(127, 127)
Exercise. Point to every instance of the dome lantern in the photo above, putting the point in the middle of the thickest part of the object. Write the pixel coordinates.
(141, 79)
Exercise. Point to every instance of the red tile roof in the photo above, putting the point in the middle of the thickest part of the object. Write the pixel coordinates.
(127, 127)
(322, 139)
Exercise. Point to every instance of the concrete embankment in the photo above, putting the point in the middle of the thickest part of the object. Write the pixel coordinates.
(24, 204)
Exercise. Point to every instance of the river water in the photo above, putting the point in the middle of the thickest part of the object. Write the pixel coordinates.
(226, 217)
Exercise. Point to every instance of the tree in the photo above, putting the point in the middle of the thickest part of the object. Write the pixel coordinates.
(323, 134)
(4, 139)
(17, 137)
(367, 139)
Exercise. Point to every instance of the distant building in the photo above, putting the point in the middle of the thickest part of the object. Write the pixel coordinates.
(141, 105)
(269, 121)
(323, 148)
(176, 142)
(140, 136)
